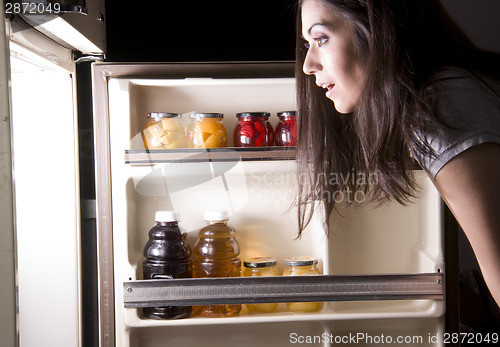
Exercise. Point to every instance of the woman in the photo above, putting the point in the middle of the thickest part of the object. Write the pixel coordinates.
(405, 84)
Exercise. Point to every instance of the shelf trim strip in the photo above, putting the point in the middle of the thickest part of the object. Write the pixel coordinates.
(190, 155)
(241, 290)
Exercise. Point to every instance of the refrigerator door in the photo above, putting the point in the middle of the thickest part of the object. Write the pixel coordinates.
(45, 229)
(40, 236)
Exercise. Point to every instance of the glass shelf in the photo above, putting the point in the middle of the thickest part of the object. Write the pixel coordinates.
(191, 155)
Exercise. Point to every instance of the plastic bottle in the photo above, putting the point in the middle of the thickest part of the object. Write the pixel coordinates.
(167, 256)
(216, 255)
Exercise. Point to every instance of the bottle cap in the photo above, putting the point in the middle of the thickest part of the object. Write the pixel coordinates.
(300, 261)
(258, 262)
(216, 215)
(286, 114)
(252, 114)
(206, 115)
(160, 115)
(167, 216)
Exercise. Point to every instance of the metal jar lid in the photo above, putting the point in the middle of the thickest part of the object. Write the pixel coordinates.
(160, 115)
(259, 262)
(301, 261)
(252, 114)
(206, 115)
(286, 114)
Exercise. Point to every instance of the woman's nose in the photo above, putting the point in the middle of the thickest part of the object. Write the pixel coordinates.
(311, 64)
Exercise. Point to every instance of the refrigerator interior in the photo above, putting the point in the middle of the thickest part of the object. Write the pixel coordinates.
(259, 195)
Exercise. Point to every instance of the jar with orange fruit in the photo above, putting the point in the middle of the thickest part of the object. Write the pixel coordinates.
(207, 131)
(164, 131)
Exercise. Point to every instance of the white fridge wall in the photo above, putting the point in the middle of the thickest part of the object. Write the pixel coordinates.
(47, 224)
(258, 195)
(409, 237)
(227, 96)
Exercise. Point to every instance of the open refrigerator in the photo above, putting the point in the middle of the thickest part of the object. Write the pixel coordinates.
(257, 187)
(383, 268)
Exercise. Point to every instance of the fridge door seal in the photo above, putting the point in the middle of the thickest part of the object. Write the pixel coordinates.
(8, 298)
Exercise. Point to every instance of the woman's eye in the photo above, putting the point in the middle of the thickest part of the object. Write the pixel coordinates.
(320, 41)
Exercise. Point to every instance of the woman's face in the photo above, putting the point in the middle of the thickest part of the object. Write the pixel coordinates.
(331, 55)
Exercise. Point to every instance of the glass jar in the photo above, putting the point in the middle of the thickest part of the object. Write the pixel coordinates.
(302, 266)
(253, 130)
(207, 131)
(286, 129)
(216, 255)
(164, 131)
(260, 267)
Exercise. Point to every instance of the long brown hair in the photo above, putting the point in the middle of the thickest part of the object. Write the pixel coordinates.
(368, 152)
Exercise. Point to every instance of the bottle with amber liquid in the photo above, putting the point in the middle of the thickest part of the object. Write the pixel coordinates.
(167, 256)
(216, 255)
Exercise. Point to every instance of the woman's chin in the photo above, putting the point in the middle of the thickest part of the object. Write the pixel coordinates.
(342, 109)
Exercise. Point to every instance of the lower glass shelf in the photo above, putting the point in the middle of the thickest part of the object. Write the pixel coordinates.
(188, 155)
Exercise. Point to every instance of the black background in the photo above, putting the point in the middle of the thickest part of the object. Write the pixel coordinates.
(187, 31)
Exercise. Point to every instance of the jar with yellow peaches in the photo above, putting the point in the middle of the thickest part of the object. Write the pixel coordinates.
(260, 267)
(207, 131)
(164, 131)
(302, 266)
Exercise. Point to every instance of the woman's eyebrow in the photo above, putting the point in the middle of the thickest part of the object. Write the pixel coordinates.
(322, 24)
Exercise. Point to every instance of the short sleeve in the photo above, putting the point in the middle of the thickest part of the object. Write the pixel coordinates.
(468, 106)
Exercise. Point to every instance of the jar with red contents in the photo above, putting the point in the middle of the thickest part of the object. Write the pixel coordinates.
(286, 130)
(253, 130)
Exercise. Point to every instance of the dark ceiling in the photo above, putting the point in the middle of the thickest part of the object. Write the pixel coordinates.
(178, 31)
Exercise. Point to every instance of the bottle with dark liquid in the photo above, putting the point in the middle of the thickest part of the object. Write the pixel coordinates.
(216, 255)
(167, 256)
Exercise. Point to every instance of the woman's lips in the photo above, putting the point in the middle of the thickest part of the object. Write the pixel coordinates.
(328, 87)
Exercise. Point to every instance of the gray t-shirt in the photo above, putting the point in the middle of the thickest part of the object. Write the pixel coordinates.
(469, 104)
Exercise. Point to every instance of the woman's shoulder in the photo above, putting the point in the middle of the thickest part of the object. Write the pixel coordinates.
(458, 81)
(460, 93)
(467, 106)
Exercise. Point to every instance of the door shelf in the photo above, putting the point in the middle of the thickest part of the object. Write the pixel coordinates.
(344, 297)
(192, 155)
(240, 290)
